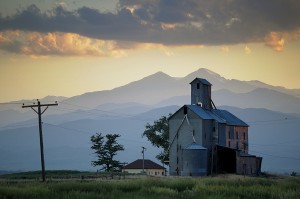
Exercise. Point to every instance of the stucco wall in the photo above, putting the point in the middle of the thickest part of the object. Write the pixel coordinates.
(152, 172)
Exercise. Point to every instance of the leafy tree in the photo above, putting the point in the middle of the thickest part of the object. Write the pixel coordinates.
(158, 135)
(106, 148)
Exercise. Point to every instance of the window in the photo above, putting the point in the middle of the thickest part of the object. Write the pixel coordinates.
(237, 145)
(244, 135)
(237, 135)
(245, 146)
(198, 86)
(230, 134)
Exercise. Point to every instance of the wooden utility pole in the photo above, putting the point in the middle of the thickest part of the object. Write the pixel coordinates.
(39, 112)
(143, 152)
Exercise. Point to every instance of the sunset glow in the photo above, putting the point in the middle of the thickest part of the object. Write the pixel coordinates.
(67, 48)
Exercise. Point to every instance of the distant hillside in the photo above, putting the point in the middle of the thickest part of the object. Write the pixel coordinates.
(272, 113)
(159, 86)
(272, 135)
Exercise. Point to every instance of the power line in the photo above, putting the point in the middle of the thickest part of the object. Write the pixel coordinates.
(86, 132)
(275, 155)
(276, 144)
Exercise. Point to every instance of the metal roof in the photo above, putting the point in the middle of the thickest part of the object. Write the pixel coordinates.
(200, 112)
(203, 81)
(242, 154)
(229, 118)
(221, 116)
(194, 146)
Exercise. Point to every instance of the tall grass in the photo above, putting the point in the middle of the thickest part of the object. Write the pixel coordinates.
(162, 188)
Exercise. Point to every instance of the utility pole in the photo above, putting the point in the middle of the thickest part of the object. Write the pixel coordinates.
(39, 112)
(143, 152)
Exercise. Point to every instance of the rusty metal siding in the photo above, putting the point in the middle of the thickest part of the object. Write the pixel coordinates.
(237, 137)
(222, 134)
(246, 165)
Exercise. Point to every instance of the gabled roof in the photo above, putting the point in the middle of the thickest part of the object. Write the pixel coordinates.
(203, 81)
(148, 164)
(221, 116)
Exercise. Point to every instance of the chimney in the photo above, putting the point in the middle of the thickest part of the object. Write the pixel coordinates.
(201, 93)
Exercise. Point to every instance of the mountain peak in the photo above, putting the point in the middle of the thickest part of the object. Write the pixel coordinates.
(158, 75)
(205, 73)
(205, 70)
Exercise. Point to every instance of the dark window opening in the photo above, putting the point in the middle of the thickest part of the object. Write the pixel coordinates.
(198, 86)
(244, 135)
(214, 129)
(185, 110)
(226, 159)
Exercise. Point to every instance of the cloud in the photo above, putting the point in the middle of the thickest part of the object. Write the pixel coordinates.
(275, 41)
(225, 49)
(59, 44)
(247, 50)
(168, 22)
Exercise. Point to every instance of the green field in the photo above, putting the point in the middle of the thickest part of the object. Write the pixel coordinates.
(147, 187)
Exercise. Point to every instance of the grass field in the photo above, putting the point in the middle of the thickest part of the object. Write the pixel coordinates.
(157, 188)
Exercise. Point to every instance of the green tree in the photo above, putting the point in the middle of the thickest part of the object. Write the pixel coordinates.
(106, 149)
(158, 135)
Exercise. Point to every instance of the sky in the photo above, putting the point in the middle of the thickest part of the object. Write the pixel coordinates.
(67, 48)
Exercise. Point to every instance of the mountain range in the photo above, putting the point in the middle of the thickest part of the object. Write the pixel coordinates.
(272, 112)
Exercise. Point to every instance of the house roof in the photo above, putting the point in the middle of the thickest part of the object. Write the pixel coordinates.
(148, 164)
(221, 116)
(203, 81)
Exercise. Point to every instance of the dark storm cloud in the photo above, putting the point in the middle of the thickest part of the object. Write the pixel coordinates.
(171, 22)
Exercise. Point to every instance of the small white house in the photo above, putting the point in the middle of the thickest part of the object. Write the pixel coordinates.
(150, 168)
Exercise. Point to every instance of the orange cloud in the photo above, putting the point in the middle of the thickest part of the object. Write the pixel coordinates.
(247, 50)
(275, 40)
(168, 26)
(59, 44)
(225, 49)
